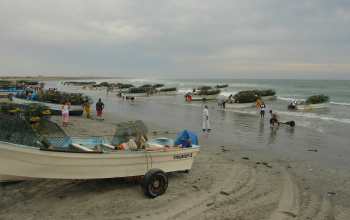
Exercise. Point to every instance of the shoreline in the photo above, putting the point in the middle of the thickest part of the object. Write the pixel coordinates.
(225, 183)
(228, 180)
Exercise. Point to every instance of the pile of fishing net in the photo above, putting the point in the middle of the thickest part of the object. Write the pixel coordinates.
(125, 131)
(14, 129)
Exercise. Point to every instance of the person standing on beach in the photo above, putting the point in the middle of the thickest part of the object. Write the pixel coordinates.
(258, 103)
(262, 110)
(205, 118)
(99, 108)
(65, 113)
(274, 119)
(87, 109)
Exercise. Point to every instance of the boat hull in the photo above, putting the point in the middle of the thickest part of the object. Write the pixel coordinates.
(167, 93)
(312, 107)
(19, 162)
(75, 110)
(134, 95)
(204, 97)
(269, 98)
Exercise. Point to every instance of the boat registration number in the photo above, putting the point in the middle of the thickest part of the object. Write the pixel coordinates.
(182, 156)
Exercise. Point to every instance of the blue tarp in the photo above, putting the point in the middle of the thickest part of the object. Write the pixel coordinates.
(10, 90)
(185, 136)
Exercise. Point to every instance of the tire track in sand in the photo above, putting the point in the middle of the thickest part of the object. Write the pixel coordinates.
(289, 202)
(235, 179)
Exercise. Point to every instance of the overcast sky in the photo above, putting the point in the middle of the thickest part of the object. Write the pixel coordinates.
(176, 38)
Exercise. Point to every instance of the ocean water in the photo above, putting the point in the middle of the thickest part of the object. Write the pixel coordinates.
(287, 90)
(327, 130)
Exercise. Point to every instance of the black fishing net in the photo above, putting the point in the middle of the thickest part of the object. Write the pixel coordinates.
(125, 130)
(14, 129)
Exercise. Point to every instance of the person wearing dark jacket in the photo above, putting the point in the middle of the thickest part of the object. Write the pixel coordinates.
(99, 108)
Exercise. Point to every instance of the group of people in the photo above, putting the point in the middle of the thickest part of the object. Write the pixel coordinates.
(273, 115)
(260, 105)
(86, 107)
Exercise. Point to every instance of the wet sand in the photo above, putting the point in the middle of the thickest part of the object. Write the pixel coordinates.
(226, 182)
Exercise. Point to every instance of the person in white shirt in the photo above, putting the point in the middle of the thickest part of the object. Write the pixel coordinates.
(205, 117)
(262, 110)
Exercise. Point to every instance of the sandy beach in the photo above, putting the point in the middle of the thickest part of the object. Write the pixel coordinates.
(175, 110)
(226, 182)
(244, 171)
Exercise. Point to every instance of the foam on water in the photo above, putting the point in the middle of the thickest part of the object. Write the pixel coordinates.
(228, 93)
(340, 103)
(289, 99)
(183, 91)
(315, 116)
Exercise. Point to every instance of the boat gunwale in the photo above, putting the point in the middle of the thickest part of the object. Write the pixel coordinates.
(90, 155)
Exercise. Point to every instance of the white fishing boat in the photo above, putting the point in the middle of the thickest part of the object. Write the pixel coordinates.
(196, 97)
(166, 93)
(311, 103)
(129, 95)
(269, 98)
(55, 108)
(239, 105)
(309, 107)
(18, 162)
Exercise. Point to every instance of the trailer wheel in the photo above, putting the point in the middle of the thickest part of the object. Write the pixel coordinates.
(155, 183)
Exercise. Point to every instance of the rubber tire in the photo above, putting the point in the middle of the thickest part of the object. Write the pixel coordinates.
(148, 181)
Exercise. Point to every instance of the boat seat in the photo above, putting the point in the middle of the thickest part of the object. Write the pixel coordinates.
(109, 146)
(81, 147)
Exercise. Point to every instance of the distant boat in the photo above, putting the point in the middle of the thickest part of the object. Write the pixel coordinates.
(302, 106)
(204, 93)
(75, 110)
(243, 99)
(311, 103)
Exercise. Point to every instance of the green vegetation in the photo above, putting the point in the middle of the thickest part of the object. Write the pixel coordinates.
(6, 83)
(172, 89)
(56, 97)
(221, 86)
(317, 99)
(17, 84)
(27, 82)
(138, 90)
(252, 95)
(267, 92)
(245, 96)
(157, 85)
(146, 86)
(208, 92)
(76, 83)
(30, 112)
(124, 86)
(205, 88)
(19, 123)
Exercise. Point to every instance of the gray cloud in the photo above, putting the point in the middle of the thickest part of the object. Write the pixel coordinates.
(270, 38)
